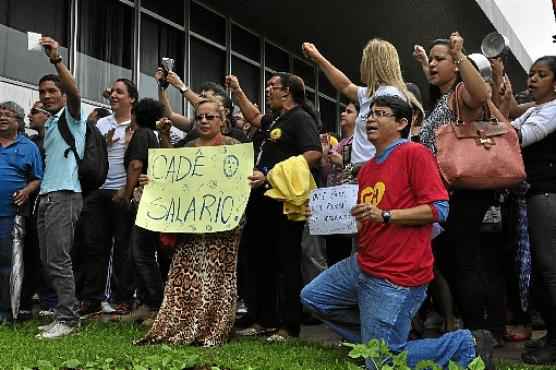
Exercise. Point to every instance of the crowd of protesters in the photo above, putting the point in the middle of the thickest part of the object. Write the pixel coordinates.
(84, 257)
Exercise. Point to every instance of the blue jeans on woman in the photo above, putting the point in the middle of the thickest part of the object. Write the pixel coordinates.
(360, 307)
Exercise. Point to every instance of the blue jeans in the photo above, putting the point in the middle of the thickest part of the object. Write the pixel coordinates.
(360, 307)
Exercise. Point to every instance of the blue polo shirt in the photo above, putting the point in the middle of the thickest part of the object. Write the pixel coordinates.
(60, 172)
(20, 163)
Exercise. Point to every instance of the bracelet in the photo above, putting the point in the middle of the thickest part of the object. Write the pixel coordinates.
(458, 61)
(56, 61)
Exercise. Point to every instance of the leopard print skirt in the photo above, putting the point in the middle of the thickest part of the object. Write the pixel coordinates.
(200, 296)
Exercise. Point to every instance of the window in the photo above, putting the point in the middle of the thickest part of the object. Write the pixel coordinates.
(104, 45)
(276, 58)
(328, 115)
(208, 63)
(17, 17)
(249, 78)
(245, 43)
(208, 24)
(325, 86)
(305, 71)
(172, 10)
(160, 40)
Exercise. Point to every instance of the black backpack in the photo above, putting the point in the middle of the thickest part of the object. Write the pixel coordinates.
(93, 167)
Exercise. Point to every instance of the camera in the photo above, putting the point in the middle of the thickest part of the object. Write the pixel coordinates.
(167, 65)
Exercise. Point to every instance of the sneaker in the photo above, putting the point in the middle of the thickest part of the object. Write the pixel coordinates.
(241, 307)
(47, 326)
(484, 347)
(58, 330)
(45, 314)
(107, 307)
(140, 314)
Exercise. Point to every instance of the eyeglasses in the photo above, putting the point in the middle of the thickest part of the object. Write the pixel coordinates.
(7, 114)
(208, 117)
(274, 86)
(39, 110)
(376, 114)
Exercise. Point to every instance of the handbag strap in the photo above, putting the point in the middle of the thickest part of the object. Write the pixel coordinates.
(486, 107)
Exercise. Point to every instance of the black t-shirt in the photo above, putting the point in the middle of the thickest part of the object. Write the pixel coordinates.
(290, 134)
(138, 148)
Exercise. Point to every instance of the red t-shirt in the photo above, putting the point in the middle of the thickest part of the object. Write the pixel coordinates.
(408, 178)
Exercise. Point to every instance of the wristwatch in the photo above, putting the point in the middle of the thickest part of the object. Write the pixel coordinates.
(184, 89)
(386, 216)
(56, 61)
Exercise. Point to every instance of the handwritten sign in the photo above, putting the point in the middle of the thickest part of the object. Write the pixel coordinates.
(196, 190)
(331, 210)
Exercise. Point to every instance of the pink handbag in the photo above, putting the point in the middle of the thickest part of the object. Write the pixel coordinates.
(479, 154)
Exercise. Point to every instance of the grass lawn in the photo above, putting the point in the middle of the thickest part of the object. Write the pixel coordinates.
(109, 346)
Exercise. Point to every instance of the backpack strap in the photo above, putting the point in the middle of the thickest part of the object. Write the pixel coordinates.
(67, 136)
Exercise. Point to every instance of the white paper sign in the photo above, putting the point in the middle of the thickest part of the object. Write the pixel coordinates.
(331, 210)
(33, 41)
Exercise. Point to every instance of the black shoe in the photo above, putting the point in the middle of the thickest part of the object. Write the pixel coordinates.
(25, 315)
(535, 344)
(545, 355)
(88, 308)
(484, 347)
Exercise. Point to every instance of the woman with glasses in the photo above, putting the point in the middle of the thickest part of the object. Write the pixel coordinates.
(200, 295)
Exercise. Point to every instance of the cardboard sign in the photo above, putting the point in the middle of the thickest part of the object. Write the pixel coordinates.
(196, 190)
(331, 210)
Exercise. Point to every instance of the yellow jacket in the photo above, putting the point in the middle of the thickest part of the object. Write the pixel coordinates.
(292, 183)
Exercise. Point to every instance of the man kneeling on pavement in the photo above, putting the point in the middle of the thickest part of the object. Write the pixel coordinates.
(376, 292)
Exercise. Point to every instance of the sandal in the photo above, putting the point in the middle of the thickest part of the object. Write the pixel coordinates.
(254, 331)
(517, 334)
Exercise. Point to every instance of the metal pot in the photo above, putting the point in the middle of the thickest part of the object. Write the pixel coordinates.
(494, 45)
(483, 65)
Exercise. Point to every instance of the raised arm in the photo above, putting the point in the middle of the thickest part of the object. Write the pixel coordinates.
(250, 112)
(186, 92)
(475, 92)
(52, 50)
(181, 122)
(421, 57)
(336, 77)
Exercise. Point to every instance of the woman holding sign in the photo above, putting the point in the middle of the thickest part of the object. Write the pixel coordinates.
(200, 295)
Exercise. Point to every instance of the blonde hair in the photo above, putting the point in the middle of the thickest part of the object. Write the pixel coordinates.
(380, 65)
(217, 101)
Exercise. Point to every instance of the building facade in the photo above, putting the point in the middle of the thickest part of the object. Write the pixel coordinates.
(104, 40)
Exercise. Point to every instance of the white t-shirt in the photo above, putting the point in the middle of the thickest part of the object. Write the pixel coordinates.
(361, 149)
(117, 174)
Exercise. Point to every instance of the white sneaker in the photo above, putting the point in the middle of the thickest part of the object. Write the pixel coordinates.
(46, 313)
(241, 307)
(47, 326)
(107, 307)
(59, 329)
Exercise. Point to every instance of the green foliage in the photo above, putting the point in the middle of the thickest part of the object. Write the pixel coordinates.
(109, 346)
(383, 359)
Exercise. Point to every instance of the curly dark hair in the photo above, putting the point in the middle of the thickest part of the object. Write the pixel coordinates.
(147, 111)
